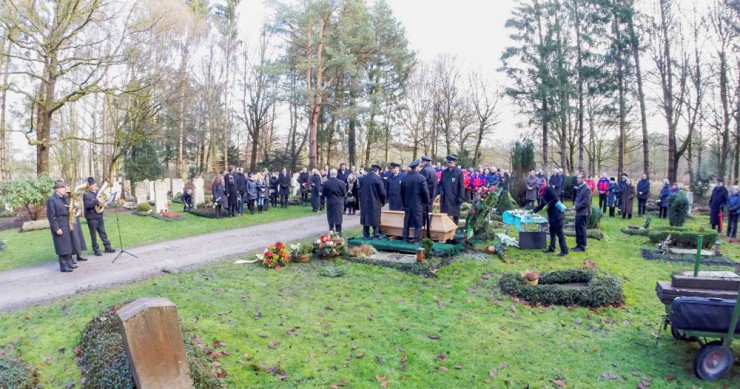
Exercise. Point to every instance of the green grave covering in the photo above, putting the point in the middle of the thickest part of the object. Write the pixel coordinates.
(385, 244)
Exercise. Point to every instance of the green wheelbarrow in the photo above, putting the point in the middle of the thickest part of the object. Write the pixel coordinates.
(702, 318)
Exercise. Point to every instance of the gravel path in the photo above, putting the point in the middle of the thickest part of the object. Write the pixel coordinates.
(35, 285)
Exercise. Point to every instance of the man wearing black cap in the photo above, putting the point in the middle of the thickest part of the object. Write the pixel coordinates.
(430, 175)
(716, 203)
(57, 211)
(94, 219)
(452, 189)
(372, 199)
(393, 188)
(414, 197)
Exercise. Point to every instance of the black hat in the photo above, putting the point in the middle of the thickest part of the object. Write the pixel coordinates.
(625, 175)
(424, 158)
(393, 164)
(719, 179)
(451, 158)
(59, 184)
(375, 167)
(90, 180)
(414, 164)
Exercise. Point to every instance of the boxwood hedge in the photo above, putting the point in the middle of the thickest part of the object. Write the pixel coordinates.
(600, 289)
(16, 373)
(684, 239)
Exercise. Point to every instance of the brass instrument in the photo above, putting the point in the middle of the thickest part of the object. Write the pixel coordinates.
(76, 206)
(103, 196)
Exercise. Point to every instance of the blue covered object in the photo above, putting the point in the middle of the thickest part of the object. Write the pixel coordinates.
(519, 220)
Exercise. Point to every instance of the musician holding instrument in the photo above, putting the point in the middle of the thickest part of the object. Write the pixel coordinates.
(95, 202)
(57, 211)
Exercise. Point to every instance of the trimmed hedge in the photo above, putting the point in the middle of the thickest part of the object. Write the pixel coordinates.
(684, 238)
(678, 210)
(104, 364)
(203, 212)
(16, 373)
(601, 289)
(646, 232)
(590, 234)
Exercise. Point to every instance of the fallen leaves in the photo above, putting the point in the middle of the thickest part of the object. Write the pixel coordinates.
(272, 345)
(433, 336)
(442, 369)
(293, 330)
(559, 383)
(442, 357)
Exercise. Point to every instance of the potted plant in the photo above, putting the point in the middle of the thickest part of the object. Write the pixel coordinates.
(300, 252)
(531, 277)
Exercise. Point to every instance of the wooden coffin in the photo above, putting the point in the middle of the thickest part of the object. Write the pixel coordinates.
(443, 228)
(719, 280)
(667, 292)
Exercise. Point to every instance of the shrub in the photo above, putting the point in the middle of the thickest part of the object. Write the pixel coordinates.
(678, 210)
(684, 238)
(595, 218)
(6, 213)
(646, 232)
(30, 194)
(144, 207)
(203, 212)
(104, 364)
(505, 203)
(590, 234)
(16, 373)
(600, 289)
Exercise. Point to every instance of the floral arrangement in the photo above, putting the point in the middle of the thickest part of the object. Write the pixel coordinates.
(170, 215)
(330, 245)
(275, 255)
(531, 275)
(298, 249)
(483, 191)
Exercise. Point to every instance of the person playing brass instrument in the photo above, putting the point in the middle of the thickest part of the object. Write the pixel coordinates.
(94, 207)
(58, 213)
(75, 211)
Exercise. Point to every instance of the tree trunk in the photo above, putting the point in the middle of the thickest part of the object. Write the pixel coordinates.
(635, 45)
(3, 133)
(352, 133)
(580, 86)
(622, 104)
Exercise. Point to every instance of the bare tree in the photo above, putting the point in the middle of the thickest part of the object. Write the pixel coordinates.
(485, 99)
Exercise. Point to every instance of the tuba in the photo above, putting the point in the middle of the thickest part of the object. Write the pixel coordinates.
(76, 207)
(103, 196)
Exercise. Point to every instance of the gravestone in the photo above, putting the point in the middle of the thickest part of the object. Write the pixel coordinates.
(178, 186)
(127, 189)
(153, 341)
(116, 190)
(141, 192)
(199, 195)
(690, 197)
(160, 196)
(151, 190)
(167, 184)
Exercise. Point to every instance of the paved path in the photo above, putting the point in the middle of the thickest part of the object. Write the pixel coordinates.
(34, 285)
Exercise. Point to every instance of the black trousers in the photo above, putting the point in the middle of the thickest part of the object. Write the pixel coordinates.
(663, 212)
(366, 231)
(556, 231)
(65, 262)
(304, 198)
(250, 206)
(581, 231)
(603, 201)
(407, 225)
(428, 219)
(335, 227)
(97, 227)
(732, 225)
(218, 211)
(641, 206)
(611, 211)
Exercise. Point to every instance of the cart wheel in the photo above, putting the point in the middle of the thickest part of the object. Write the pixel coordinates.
(713, 361)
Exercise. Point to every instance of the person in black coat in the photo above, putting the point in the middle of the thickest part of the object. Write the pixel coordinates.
(643, 193)
(241, 189)
(273, 189)
(393, 188)
(555, 217)
(220, 202)
(284, 187)
(372, 199)
(251, 193)
(582, 206)
(342, 173)
(334, 190)
(620, 188)
(57, 211)
(95, 222)
(315, 185)
(78, 237)
(303, 185)
(452, 189)
(716, 203)
(187, 200)
(414, 197)
(430, 175)
(230, 188)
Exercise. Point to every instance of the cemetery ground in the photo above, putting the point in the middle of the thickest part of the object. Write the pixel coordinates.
(378, 327)
(36, 247)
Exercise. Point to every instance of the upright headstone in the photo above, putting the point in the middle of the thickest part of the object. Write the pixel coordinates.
(178, 186)
(153, 341)
(690, 197)
(160, 196)
(141, 192)
(116, 190)
(127, 189)
(167, 184)
(199, 194)
(151, 190)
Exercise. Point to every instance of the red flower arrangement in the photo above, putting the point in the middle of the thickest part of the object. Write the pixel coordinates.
(275, 255)
(170, 215)
(330, 245)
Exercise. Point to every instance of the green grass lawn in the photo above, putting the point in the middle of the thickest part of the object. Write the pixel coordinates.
(35, 247)
(373, 324)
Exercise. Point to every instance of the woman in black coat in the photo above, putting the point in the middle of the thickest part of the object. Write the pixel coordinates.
(284, 187)
(334, 190)
(716, 203)
(219, 196)
(315, 185)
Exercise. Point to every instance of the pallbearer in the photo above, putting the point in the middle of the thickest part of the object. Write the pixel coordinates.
(415, 197)
(334, 190)
(452, 189)
(94, 218)
(430, 175)
(393, 188)
(372, 199)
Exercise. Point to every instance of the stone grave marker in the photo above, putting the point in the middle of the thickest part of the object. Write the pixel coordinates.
(116, 189)
(160, 196)
(178, 186)
(167, 184)
(127, 189)
(153, 341)
(199, 195)
(141, 192)
(151, 190)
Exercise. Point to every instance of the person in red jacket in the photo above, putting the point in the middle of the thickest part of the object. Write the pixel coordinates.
(591, 184)
(603, 187)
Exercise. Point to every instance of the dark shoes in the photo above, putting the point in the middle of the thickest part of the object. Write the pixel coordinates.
(110, 250)
(73, 266)
(66, 270)
(81, 259)
(578, 249)
(548, 251)
(562, 254)
(98, 254)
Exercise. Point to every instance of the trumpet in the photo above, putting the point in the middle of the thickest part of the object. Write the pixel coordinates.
(103, 196)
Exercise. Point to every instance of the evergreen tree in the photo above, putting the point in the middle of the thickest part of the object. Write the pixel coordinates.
(142, 162)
